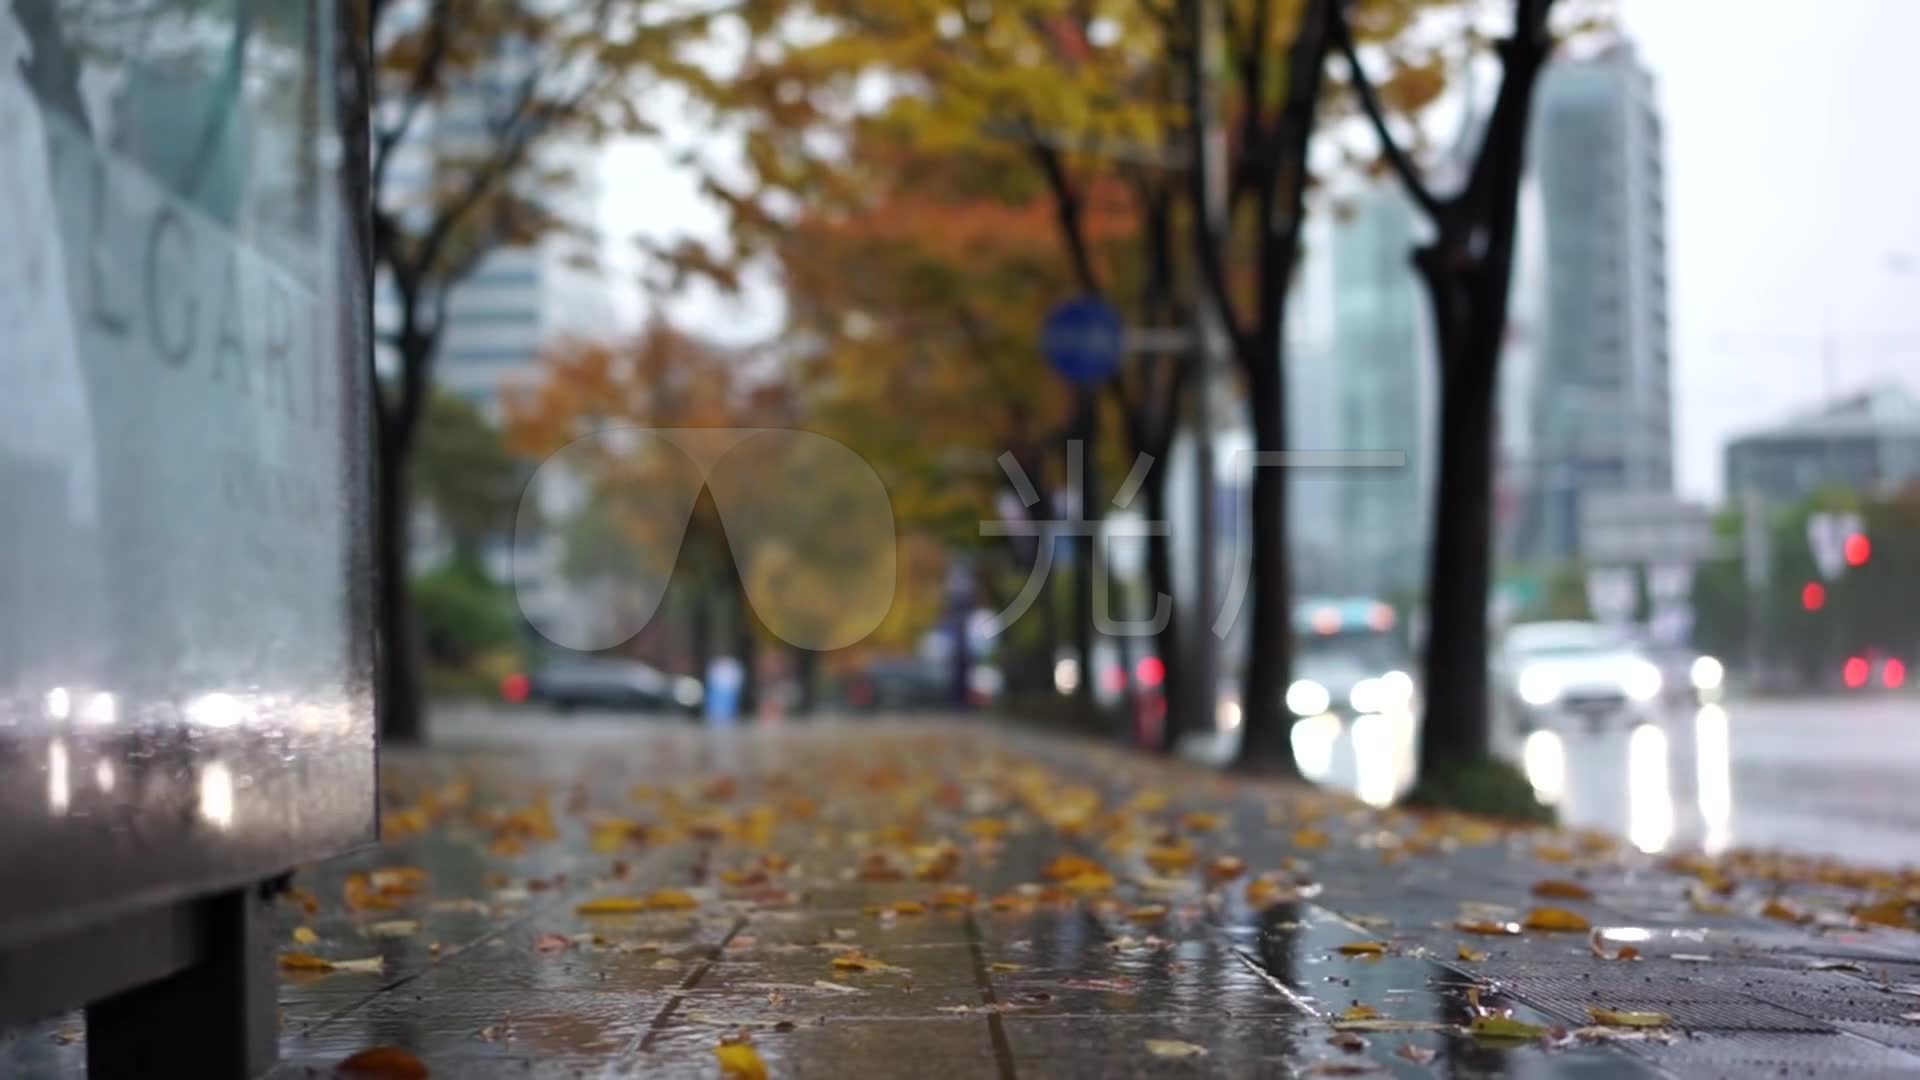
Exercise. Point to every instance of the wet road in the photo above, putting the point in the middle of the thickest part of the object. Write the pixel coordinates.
(1832, 776)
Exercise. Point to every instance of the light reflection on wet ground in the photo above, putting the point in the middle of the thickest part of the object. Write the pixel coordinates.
(1814, 776)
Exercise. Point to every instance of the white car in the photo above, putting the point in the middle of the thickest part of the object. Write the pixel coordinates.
(1546, 671)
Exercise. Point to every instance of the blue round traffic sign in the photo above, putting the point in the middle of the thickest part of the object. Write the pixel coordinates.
(1082, 339)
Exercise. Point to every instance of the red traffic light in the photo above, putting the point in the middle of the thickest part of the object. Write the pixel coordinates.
(1858, 549)
(1813, 596)
(1856, 672)
(1893, 673)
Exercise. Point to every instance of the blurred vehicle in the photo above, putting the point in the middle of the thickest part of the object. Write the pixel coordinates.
(1545, 671)
(1687, 676)
(604, 683)
(904, 682)
(1349, 660)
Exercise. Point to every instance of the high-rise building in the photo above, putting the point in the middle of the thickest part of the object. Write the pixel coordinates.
(1601, 414)
(517, 300)
(1360, 377)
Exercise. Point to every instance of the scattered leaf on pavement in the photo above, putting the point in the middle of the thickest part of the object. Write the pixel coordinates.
(1309, 839)
(1617, 1018)
(299, 961)
(383, 1063)
(1556, 919)
(1504, 1028)
(740, 1061)
(1471, 956)
(1350, 1041)
(1561, 889)
(1174, 1048)
(1485, 926)
(1360, 1011)
(838, 988)
(304, 935)
(1226, 867)
(1419, 1055)
(393, 928)
(1363, 948)
(549, 943)
(372, 965)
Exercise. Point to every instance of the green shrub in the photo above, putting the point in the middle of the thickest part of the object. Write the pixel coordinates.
(463, 615)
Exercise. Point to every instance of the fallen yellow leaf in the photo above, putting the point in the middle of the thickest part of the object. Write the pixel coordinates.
(383, 1063)
(1561, 889)
(856, 960)
(1309, 839)
(1486, 926)
(658, 900)
(299, 961)
(1201, 821)
(1363, 948)
(1069, 866)
(1615, 1018)
(1471, 956)
(1556, 919)
(303, 935)
(986, 828)
(1174, 1048)
(953, 896)
(1147, 913)
(1503, 1028)
(1226, 867)
(1360, 1011)
(1777, 908)
(1169, 858)
(1094, 881)
(740, 1061)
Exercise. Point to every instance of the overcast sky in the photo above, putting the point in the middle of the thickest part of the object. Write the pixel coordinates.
(1792, 161)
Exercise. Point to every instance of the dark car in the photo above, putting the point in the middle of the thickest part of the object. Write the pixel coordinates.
(606, 684)
(911, 682)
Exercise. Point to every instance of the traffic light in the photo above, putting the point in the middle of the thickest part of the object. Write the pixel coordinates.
(1858, 549)
(1813, 596)
(1855, 673)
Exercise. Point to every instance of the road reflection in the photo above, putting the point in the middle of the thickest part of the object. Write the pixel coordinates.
(1649, 789)
(1657, 782)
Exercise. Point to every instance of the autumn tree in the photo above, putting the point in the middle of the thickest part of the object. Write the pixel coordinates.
(1083, 102)
(472, 102)
(1466, 269)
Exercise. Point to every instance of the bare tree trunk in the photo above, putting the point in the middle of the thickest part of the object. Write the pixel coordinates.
(402, 709)
(1459, 573)
(1266, 743)
(1167, 643)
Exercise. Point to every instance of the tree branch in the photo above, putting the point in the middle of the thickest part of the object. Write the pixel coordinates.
(1397, 158)
(425, 77)
(1199, 180)
(1066, 213)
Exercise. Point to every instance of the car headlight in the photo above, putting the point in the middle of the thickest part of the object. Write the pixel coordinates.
(1396, 688)
(1226, 715)
(1642, 681)
(1538, 686)
(1707, 673)
(1365, 696)
(1308, 698)
(688, 691)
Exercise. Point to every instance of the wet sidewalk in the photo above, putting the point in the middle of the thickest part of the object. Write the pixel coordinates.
(881, 900)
